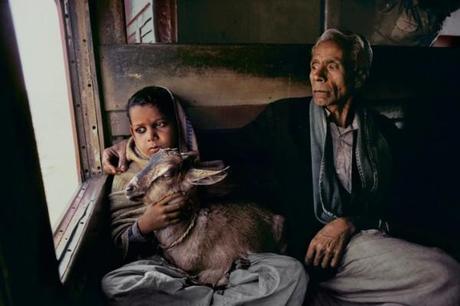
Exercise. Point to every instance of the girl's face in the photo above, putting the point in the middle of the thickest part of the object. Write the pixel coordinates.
(151, 130)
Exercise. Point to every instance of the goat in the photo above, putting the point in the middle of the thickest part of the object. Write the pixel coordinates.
(215, 235)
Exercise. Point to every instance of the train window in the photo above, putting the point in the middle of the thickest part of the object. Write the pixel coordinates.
(397, 22)
(215, 22)
(40, 45)
(450, 32)
(56, 51)
(150, 21)
(140, 26)
(451, 25)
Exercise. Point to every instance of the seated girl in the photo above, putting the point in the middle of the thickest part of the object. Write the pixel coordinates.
(158, 121)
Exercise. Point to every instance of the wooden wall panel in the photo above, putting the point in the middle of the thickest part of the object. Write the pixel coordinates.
(205, 75)
(243, 21)
(221, 86)
(227, 86)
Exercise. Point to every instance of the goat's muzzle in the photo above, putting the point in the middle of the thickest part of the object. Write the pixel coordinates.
(133, 193)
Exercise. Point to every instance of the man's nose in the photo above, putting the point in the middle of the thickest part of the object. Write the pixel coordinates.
(319, 75)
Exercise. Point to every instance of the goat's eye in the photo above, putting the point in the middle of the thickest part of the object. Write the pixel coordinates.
(170, 173)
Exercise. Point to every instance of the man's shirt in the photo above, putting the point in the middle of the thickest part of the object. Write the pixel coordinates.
(342, 143)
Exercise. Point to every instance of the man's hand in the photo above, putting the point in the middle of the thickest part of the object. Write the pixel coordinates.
(327, 247)
(114, 158)
(163, 213)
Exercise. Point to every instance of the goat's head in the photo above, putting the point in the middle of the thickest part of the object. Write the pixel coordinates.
(169, 171)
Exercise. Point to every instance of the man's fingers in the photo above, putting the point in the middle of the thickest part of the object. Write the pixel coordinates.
(310, 254)
(337, 256)
(336, 259)
(327, 259)
(318, 256)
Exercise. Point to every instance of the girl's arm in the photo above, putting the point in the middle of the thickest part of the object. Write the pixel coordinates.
(125, 231)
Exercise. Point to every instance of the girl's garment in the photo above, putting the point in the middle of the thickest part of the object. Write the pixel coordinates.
(124, 213)
(270, 279)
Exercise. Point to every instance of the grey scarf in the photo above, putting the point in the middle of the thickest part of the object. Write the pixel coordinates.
(373, 161)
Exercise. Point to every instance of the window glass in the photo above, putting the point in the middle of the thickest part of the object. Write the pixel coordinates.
(451, 25)
(139, 21)
(222, 22)
(41, 52)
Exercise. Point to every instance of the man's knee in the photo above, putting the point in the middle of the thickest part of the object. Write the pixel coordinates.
(445, 272)
(447, 268)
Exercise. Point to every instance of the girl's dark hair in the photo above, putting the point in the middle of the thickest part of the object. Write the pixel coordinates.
(154, 96)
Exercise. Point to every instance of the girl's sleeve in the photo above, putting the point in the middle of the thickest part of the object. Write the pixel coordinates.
(124, 229)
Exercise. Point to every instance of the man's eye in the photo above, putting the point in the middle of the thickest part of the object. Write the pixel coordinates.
(140, 130)
(333, 66)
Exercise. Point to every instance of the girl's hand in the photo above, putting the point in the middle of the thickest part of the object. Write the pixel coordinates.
(114, 158)
(161, 214)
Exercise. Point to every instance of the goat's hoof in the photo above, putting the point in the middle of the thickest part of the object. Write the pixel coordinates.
(220, 289)
(192, 280)
(221, 285)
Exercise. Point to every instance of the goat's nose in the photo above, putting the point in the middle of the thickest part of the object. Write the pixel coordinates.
(129, 188)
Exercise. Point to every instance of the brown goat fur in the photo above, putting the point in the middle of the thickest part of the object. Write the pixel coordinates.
(214, 235)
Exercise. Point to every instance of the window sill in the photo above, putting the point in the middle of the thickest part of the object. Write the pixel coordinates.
(69, 235)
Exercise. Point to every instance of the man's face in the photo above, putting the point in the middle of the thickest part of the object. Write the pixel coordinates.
(331, 81)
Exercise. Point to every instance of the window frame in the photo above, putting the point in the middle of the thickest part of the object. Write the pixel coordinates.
(77, 221)
(81, 69)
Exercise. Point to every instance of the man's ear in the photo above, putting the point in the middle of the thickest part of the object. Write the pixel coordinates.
(360, 77)
(204, 176)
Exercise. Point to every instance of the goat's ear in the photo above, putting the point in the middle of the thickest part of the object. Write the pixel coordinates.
(189, 155)
(205, 177)
(189, 159)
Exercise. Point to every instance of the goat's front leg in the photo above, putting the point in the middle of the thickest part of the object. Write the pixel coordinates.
(279, 234)
(239, 263)
(214, 277)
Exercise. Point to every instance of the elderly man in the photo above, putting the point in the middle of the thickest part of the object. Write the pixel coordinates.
(352, 159)
(331, 162)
